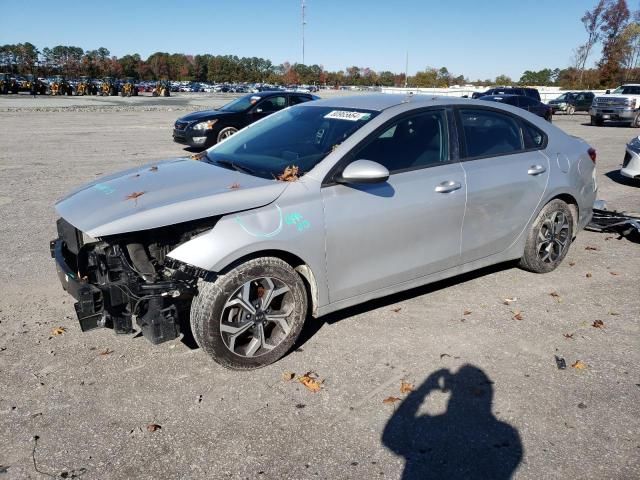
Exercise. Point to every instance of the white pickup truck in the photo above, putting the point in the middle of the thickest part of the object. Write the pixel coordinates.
(623, 104)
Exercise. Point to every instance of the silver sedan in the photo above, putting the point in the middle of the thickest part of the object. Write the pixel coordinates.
(316, 208)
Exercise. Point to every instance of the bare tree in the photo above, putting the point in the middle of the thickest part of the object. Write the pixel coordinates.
(593, 20)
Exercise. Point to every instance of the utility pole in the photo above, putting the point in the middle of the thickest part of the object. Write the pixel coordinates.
(303, 24)
(406, 70)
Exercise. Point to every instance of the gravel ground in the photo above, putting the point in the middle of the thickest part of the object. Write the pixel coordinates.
(80, 404)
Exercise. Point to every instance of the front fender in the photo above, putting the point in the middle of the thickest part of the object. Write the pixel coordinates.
(293, 224)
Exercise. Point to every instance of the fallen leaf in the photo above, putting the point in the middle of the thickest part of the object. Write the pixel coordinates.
(556, 295)
(310, 380)
(234, 186)
(579, 364)
(517, 315)
(288, 376)
(198, 156)
(290, 174)
(391, 400)
(134, 196)
(509, 301)
(467, 312)
(152, 427)
(135, 176)
(569, 336)
(609, 238)
(396, 310)
(442, 355)
(572, 264)
(614, 313)
(153, 169)
(58, 331)
(614, 273)
(106, 351)
(406, 387)
(598, 324)
(591, 248)
(588, 275)
(560, 362)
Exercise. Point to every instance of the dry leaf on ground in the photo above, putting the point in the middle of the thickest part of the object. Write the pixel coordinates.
(588, 275)
(569, 336)
(614, 273)
(290, 174)
(153, 169)
(288, 376)
(198, 156)
(588, 247)
(234, 186)
(579, 364)
(58, 331)
(406, 387)
(391, 400)
(396, 310)
(517, 315)
(572, 264)
(152, 427)
(556, 295)
(467, 312)
(508, 301)
(598, 324)
(614, 313)
(311, 381)
(106, 351)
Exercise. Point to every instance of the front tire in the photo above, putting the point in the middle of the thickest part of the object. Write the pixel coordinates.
(225, 133)
(252, 315)
(549, 238)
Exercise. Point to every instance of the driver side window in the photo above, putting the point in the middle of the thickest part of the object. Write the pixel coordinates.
(272, 104)
(413, 142)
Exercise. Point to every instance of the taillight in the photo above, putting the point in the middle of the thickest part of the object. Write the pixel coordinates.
(592, 154)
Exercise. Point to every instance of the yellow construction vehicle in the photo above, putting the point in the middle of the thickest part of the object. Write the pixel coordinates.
(108, 87)
(84, 86)
(60, 86)
(161, 89)
(129, 88)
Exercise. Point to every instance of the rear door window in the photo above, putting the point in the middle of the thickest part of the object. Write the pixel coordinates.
(489, 133)
(273, 104)
(296, 99)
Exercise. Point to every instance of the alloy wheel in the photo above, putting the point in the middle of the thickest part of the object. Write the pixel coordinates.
(255, 318)
(553, 237)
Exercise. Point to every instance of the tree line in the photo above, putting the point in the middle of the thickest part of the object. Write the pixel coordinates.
(610, 25)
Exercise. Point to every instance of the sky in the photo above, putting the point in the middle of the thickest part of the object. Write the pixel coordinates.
(478, 39)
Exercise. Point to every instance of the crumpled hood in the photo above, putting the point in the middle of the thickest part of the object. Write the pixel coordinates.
(204, 115)
(161, 194)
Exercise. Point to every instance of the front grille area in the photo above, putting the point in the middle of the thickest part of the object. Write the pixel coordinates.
(181, 125)
(610, 102)
(627, 159)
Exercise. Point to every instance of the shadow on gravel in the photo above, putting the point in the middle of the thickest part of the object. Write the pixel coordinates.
(610, 124)
(617, 177)
(313, 325)
(465, 442)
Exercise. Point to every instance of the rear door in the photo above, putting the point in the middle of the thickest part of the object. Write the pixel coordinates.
(506, 177)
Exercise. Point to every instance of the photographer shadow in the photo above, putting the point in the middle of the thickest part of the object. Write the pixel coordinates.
(465, 442)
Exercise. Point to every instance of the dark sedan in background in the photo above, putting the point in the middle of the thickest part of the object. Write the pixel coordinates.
(572, 102)
(206, 128)
(526, 103)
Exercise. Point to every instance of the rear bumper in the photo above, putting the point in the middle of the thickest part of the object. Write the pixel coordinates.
(90, 304)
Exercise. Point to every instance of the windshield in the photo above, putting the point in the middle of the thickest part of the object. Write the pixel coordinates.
(628, 90)
(241, 104)
(299, 136)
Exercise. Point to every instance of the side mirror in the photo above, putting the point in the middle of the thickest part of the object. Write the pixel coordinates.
(364, 171)
(607, 92)
(258, 110)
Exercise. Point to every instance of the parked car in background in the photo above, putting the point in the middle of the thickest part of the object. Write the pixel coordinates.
(623, 104)
(316, 208)
(208, 127)
(526, 91)
(527, 103)
(631, 162)
(572, 102)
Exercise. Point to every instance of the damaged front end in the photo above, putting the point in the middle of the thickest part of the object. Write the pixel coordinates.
(123, 279)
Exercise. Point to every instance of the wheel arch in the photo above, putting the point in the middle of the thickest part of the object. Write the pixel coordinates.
(571, 201)
(297, 263)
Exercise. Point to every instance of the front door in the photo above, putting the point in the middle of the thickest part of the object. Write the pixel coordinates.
(385, 234)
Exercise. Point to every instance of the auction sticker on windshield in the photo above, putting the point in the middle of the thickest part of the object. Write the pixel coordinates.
(346, 115)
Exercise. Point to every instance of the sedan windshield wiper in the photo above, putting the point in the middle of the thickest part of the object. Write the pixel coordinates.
(239, 168)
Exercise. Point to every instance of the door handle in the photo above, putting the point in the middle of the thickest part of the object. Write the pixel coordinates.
(536, 170)
(450, 186)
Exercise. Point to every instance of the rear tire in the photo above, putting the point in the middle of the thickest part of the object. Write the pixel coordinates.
(571, 110)
(246, 338)
(636, 121)
(549, 238)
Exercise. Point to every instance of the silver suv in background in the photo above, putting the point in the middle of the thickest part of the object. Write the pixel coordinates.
(623, 104)
(315, 208)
